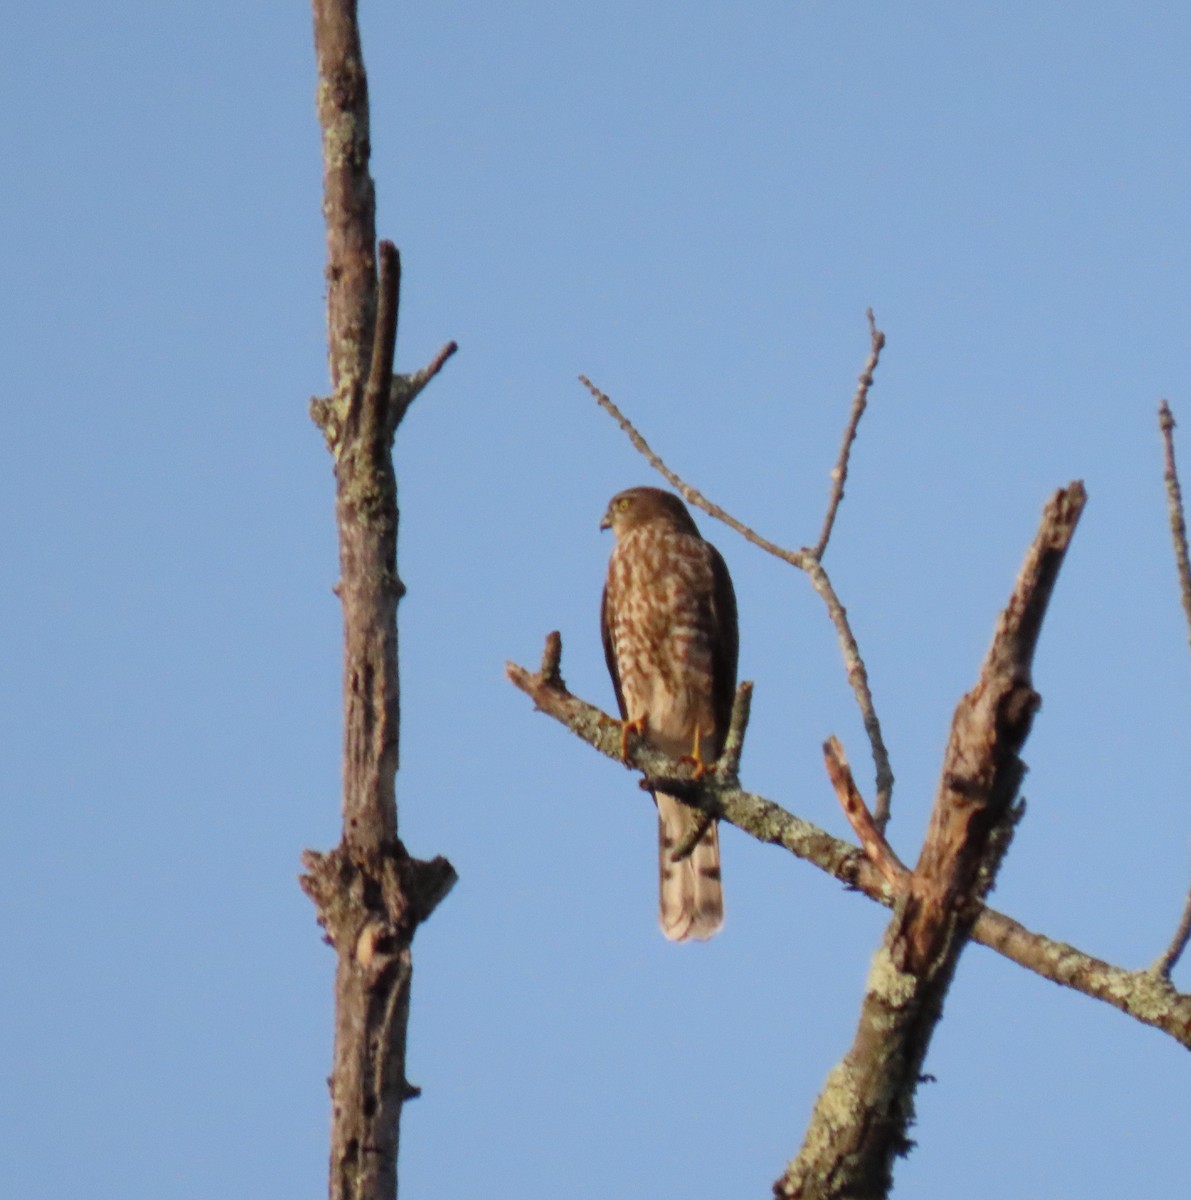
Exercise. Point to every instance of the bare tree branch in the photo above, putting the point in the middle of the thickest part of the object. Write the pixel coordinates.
(861, 1121)
(728, 766)
(796, 558)
(981, 770)
(407, 388)
(370, 894)
(1165, 962)
(857, 674)
(1174, 508)
(1137, 993)
(839, 474)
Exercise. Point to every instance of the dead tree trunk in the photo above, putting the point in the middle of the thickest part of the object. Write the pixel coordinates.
(371, 895)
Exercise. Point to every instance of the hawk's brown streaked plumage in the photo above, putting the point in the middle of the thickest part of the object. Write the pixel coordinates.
(670, 637)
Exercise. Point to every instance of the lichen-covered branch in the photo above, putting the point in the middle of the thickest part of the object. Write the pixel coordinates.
(861, 1120)
(742, 705)
(370, 894)
(1136, 993)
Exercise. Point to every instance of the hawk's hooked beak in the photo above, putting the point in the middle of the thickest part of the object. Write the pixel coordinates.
(606, 522)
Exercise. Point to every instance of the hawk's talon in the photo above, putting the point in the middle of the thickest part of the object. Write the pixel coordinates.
(699, 768)
(637, 726)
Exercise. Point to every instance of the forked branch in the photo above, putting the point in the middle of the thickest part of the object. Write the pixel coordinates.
(862, 1118)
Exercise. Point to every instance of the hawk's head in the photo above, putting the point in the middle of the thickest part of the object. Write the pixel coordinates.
(644, 505)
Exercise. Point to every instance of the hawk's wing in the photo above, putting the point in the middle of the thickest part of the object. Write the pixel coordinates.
(725, 645)
(610, 651)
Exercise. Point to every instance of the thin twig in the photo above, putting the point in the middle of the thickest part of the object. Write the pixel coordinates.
(405, 388)
(1182, 935)
(1178, 532)
(858, 679)
(693, 837)
(796, 558)
(1174, 507)
(804, 560)
(728, 766)
(839, 474)
(852, 802)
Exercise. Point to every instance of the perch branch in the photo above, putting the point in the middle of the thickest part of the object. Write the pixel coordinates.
(1138, 994)
(839, 474)
(1178, 531)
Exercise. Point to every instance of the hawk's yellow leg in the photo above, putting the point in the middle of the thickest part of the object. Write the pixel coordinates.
(695, 758)
(637, 726)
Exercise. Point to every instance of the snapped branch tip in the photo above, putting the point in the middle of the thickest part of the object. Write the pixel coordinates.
(377, 396)
(872, 840)
(549, 672)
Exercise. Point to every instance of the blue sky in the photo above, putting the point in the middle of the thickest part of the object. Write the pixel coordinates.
(693, 204)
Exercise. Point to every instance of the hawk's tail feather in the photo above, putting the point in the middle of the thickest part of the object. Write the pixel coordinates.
(690, 894)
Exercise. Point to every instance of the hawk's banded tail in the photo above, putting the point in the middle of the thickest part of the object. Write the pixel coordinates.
(690, 895)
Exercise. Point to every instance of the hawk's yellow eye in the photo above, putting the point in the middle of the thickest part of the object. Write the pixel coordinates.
(622, 504)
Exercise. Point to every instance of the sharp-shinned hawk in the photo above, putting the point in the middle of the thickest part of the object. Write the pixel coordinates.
(670, 637)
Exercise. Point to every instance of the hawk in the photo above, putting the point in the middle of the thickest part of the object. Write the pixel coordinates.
(670, 638)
